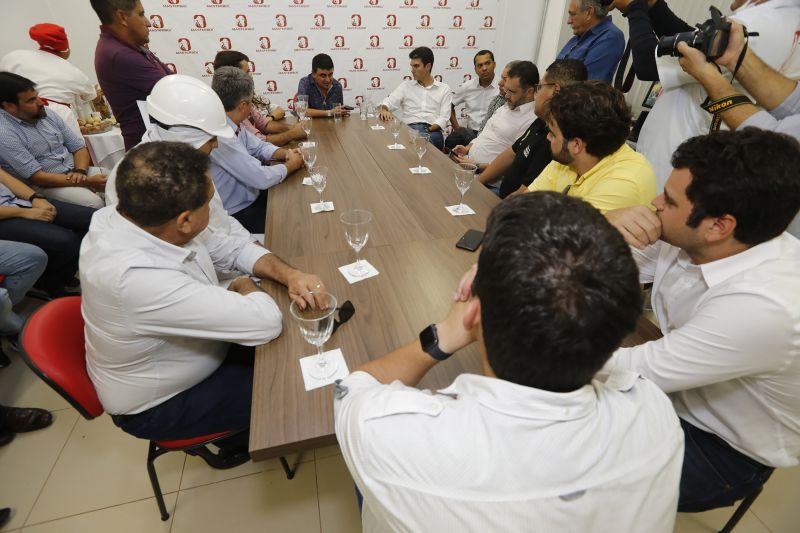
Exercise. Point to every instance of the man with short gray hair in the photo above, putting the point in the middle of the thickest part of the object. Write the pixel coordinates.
(237, 165)
(597, 42)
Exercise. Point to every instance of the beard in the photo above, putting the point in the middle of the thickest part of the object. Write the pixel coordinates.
(563, 156)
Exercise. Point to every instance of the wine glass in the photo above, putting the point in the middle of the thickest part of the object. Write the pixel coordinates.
(301, 105)
(316, 326)
(421, 145)
(356, 232)
(395, 125)
(305, 123)
(465, 175)
(309, 151)
(319, 180)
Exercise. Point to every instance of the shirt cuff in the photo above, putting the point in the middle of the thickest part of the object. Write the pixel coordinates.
(761, 120)
(249, 255)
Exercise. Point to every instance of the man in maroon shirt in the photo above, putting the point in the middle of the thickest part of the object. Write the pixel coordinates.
(126, 70)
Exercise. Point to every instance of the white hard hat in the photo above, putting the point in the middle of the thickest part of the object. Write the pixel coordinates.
(179, 100)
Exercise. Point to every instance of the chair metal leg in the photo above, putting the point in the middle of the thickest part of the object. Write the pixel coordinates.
(152, 454)
(289, 471)
(740, 511)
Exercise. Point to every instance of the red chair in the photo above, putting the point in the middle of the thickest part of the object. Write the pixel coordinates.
(53, 347)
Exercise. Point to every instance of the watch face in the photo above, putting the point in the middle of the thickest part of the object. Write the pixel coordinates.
(427, 338)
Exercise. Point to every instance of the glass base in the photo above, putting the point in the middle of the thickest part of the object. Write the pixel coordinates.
(358, 270)
(323, 371)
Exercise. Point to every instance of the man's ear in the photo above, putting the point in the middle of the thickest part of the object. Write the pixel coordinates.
(8, 106)
(121, 17)
(576, 146)
(720, 229)
(472, 316)
(184, 223)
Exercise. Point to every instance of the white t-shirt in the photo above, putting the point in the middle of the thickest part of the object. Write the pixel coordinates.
(504, 127)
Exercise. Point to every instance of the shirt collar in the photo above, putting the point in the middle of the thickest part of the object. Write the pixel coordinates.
(134, 234)
(719, 271)
(436, 83)
(603, 163)
(601, 26)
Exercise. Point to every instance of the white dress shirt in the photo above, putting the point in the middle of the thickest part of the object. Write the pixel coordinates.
(490, 455)
(677, 115)
(476, 101)
(730, 355)
(430, 104)
(504, 127)
(157, 323)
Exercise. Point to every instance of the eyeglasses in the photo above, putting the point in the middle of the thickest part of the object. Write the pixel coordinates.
(538, 86)
(343, 314)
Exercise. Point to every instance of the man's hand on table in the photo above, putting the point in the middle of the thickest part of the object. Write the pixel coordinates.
(300, 284)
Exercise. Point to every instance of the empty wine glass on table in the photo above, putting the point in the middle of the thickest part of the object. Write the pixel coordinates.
(356, 231)
(319, 180)
(465, 175)
(395, 125)
(316, 326)
(301, 105)
(305, 123)
(421, 146)
(308, 150)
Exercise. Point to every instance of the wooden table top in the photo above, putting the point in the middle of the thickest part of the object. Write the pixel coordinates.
(411, 243)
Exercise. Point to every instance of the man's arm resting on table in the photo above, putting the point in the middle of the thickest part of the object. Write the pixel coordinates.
(498, 166)
(270, 266)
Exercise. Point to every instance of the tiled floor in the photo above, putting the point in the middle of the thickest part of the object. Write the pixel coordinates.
(85, 477)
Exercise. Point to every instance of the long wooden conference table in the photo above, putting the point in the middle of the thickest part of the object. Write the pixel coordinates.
(411, 243)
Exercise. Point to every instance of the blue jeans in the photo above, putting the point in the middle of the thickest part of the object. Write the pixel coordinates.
(714, 474)
(436, 139)
(22, 264)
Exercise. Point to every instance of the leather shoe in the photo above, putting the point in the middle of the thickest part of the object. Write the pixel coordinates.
(6, 437)
(4, 360)
(20, 420)
(5, 514)
(221, 461)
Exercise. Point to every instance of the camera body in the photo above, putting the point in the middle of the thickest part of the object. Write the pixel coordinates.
(710, 37)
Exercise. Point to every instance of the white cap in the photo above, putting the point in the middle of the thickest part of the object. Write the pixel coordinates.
(182, 100)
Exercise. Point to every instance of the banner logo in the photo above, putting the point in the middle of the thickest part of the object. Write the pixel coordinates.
(225, 43)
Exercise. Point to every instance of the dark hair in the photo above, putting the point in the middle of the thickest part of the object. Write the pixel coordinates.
(559, 291)
(106, 9)
(527, 73)
(157, 181)
(749, 174)
(11, 85)
(482, 53)
(229, 58)
(321, 61)
(593, 111)
(422, 53)
(566, 72)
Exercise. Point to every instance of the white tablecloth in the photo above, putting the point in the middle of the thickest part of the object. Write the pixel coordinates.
(106, 148)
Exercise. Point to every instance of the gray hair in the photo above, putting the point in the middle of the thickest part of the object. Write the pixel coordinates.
(599, 9)
(232, 85)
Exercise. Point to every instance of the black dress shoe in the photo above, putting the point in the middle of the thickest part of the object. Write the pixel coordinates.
(6, 437)
(4, 360)
(221, 461)
(5, 514)
(20, 420)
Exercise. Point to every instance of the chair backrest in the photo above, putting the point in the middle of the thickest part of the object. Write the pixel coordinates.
(53, 346)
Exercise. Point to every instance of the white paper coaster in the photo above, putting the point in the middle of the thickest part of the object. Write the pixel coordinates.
(453, 209)
(371, 271)
(416, 170)
(377, 127)
(307, 181)
(319, 207)
(397, 146)
(335, 358)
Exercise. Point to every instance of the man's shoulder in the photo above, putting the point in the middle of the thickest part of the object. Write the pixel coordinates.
(627, 158)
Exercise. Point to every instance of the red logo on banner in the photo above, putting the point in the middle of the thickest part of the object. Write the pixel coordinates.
(264, 43)
(251, 67)
(374, 41)
(408, 2)
(474, 3)
(391, 62)
(336, 2)
(406, 78)
(338, 41)
(359, 99)
(438, 77)
(440, 40)
(319, 20)
(241, 21)
(209, 68)
(286, 65)
(375, 81)
(280, 21)
(488, 22)
(467, 77)
(290, 104)
(454, 61)
(343, 82)
(272, 86)
(408, 40)
(225, 43)
(358, 63)
(355, 20)
(442, 3)
(216, 1)
(374, 2)
(302, 41)
(470, 40)
(200, 21)
(298, 2)
(258, 2)
(173, 2)
(391, 20)
(184, 44)
(156, 21)
(425, 21)
(457, 21)
(172, 68)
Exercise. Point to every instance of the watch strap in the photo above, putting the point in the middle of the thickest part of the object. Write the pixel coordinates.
(429, 340)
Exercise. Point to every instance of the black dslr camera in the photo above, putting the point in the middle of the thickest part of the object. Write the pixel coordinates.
(710, 37)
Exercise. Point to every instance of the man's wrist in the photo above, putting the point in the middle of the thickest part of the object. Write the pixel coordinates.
(35, 196)
(79, 171)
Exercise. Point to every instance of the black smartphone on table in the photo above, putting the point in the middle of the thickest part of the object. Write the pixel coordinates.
(471, 240)
(347, 107)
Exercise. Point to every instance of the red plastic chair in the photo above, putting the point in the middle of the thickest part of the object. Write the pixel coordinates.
(53, 347)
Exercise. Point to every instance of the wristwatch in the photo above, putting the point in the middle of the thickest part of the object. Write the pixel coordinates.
(429, 339)
(79, 170)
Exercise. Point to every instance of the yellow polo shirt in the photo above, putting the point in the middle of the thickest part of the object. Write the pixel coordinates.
(622, 179)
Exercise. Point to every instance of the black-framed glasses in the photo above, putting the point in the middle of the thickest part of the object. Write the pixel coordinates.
(343, 314)
(538, 86)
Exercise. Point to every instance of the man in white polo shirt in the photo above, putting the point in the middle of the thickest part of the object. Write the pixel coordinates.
(536, 443)
(476, 94)
(423, 101)
(509, 122)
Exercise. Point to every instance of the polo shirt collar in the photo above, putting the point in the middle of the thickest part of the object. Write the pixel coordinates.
(719, 271)
(601, 26)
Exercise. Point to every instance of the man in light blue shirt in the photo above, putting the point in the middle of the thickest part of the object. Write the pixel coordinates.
(597, 42)
(238, 164)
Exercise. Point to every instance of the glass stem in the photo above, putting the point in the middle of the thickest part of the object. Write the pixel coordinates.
(321, 362)
(461, 203)
(320, 198)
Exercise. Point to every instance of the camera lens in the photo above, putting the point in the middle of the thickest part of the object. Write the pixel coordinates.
(668, 46)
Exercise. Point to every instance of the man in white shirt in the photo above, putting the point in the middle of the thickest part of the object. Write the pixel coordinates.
(726, 292)
(476, 94)
(61, 84)
(507, 123)
(162, 337)
(537, 443)
(423, 101)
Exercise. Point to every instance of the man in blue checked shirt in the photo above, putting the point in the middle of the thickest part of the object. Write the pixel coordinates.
(323, 90)
(597, 42)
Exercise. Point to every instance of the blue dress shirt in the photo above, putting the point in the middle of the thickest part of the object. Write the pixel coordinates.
(600, 48)
(315, 98)
(237, 170)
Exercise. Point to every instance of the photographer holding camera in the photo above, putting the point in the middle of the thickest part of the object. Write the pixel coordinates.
(677, 114)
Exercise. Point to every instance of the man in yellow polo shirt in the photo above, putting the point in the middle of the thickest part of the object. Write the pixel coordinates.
(589, 123)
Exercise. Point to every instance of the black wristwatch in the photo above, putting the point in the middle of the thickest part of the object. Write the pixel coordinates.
(79, 170)
(36, 195)
(429, 339)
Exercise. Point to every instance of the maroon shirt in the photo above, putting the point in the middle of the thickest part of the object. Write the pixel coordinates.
(126, 74)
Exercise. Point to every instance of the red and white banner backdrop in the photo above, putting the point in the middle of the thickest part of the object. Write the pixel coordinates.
(369, 40)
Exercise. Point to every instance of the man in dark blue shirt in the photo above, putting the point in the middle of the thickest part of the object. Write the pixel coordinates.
(597, 42)
(323, 90)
